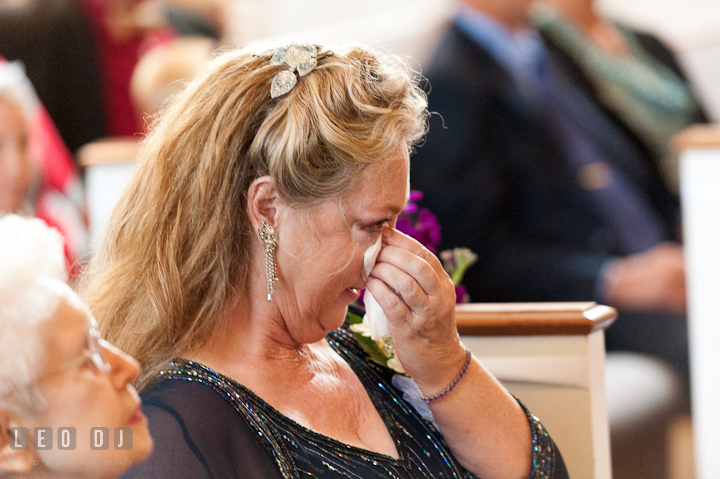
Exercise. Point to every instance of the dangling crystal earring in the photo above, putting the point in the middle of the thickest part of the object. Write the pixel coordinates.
(269, 238)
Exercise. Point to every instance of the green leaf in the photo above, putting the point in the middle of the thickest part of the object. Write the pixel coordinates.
(354, 318)
(368, 345)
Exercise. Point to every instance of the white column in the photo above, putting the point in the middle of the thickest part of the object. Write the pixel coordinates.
(700, 191)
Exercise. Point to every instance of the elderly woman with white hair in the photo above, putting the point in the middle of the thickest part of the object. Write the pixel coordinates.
(67, 406)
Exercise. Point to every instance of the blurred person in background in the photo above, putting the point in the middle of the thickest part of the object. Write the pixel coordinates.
(16, 170)
(55, 42)
(560, 204)
(56, 371)
(162, 72)
(631, 75)
(37, 173)
(204, 18)
(80, 54)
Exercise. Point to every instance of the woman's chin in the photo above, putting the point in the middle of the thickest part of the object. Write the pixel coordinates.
(144, 447)
(335, 318)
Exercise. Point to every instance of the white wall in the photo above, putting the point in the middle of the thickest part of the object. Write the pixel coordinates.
(691, 27)
(407, 27)
(682, 22)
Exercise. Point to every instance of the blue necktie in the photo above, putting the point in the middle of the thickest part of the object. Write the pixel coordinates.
(595, 149)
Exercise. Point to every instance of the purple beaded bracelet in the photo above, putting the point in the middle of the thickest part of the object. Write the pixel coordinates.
(451, 386)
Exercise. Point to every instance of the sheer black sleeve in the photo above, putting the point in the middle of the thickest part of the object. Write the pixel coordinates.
(198, 434)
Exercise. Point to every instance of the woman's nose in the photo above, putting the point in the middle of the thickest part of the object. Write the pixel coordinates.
(15, 161)
(15, 172)
(124, 369)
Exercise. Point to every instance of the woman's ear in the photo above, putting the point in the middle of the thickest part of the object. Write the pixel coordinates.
(13, 459)
(263, 202)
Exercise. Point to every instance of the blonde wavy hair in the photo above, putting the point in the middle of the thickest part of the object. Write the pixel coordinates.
(178, 243)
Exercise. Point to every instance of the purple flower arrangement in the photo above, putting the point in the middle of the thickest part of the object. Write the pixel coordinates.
(419, 223)
(422, 225)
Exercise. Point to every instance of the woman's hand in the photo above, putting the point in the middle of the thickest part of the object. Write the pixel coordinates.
(418, 298)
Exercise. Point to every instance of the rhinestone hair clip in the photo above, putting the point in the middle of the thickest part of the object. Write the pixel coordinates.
(300, 57)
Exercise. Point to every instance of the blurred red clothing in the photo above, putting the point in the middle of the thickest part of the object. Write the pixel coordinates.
(60, 199)
(118, 58)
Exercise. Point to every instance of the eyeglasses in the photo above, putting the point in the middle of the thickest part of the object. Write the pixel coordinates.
(93, 355)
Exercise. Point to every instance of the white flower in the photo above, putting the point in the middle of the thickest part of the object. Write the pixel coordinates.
(361, 328)
(384, 345)
(394, 364)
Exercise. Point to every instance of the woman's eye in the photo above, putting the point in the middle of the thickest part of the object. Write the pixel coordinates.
(376, 227)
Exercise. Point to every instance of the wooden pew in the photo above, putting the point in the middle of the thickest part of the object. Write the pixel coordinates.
(552, 357)
(108, 165)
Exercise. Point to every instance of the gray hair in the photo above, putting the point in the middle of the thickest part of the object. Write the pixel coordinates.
(15, 88)
(32, 283)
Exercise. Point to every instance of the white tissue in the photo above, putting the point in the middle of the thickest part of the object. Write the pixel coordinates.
(379, 326)
(375, 316)
(370, 257)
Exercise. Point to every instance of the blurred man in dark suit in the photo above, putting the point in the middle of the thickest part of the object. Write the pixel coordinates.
(558, 202)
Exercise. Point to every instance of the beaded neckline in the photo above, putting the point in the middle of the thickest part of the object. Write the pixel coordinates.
(262, 417)
(205, 372)
(300, 452)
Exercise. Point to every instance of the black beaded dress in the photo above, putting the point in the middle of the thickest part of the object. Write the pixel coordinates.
(205, 425)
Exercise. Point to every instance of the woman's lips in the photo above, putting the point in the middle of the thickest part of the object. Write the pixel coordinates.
(353, 293)
(137, 416)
